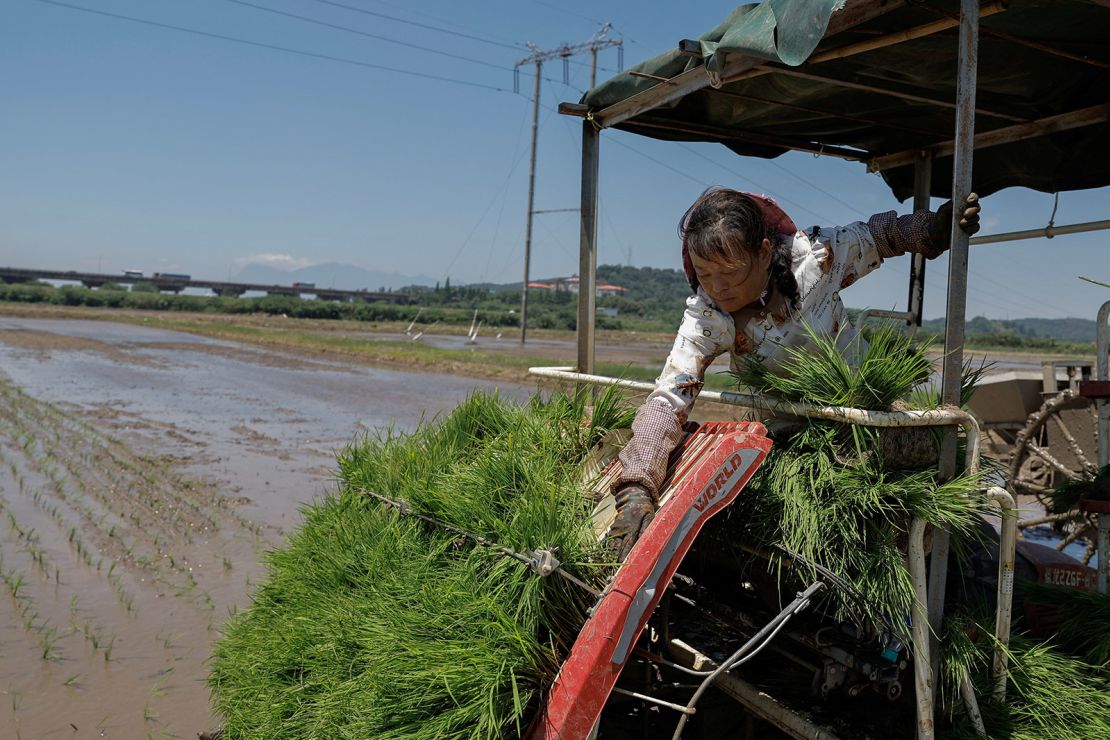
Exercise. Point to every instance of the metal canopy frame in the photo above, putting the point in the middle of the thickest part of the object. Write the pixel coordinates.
(636, 111)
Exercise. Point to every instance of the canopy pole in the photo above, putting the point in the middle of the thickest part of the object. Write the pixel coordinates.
(922, 185)
(1047, 232)
(587, 246)
(955, 315)
(1089, 116)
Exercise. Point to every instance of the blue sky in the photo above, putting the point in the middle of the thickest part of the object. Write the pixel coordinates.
(125, 145)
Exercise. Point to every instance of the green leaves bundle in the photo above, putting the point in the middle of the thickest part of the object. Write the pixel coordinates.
(1051, 695)
(826, 493)
(375, 624)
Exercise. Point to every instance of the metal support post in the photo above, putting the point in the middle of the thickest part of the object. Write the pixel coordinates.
(587, 247)
(1102, 372)
(922, 184)
(531, 205)
(1103, 548)
(919, 622)
(955, 315)
(1007, 553)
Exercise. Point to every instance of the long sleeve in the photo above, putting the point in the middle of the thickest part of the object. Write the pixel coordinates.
(896, 235)
(704, 334)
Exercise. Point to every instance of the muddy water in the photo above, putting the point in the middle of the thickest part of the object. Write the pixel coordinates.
(142, 475)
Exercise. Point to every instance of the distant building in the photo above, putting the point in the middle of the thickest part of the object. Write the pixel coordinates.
(541, 286)
(570, 285)
(610, 291)
(567, 285)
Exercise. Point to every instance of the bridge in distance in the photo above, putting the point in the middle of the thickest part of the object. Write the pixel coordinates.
(176, 284)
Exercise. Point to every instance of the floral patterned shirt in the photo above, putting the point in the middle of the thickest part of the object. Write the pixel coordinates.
(825, 261)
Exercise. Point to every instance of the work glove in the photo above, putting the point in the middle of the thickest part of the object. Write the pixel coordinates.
(635, 510)
(940, 230)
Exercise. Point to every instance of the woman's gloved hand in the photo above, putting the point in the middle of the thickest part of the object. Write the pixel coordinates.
(635, 510)
(940, 230)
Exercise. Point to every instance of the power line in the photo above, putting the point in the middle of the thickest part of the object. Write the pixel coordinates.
(302, 52)
(733, 172)
(438, 29)
(577, 15)
(677, 171)
(367, 34)
(426, 26)
(378, 37)
(503, 186)
(449, 22)
(505, 196)
(272, 47)
(819, 189)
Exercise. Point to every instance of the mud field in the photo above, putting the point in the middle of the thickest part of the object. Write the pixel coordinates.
(143, 475)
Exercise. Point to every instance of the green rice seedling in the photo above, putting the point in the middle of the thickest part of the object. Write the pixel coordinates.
(1067, 494)
(826, 493)
(1085, 619)
(375, 624)
(1051, 695)
(886, 371)
(48, 638)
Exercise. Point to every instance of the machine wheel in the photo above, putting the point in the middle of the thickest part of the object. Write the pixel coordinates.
(1058, 444)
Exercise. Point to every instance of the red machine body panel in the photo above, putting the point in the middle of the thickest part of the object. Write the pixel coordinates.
(707, 472)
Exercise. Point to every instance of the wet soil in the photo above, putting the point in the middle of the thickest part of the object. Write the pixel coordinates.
(143, 475)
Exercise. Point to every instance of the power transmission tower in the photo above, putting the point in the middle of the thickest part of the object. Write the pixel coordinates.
(595, 43)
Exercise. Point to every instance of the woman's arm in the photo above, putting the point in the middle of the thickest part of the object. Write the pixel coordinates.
(921, 232)
(704, 334)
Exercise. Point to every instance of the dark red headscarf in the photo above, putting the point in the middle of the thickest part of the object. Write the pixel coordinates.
(773, 215)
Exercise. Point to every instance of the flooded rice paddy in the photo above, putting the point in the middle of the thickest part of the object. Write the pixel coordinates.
(143, 475)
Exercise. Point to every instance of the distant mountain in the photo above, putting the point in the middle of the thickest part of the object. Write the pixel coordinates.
(331, 275)
(1062, 330)
(669, 287)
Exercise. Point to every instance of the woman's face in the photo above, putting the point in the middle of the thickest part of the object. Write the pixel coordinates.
(732, 286)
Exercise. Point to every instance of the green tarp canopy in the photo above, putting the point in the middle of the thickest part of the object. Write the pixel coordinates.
(812, 81)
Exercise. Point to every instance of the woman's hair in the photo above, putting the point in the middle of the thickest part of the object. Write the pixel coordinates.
(729, 226)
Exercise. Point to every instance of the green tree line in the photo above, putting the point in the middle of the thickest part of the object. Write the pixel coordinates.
(653, 302)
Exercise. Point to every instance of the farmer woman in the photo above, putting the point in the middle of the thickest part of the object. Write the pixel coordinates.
(758, 282)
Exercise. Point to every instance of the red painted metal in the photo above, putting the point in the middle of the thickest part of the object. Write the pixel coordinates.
(708, 471)
(1094, 505)
(1094, 388)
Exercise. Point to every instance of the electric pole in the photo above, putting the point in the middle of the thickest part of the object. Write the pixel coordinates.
(599, 40)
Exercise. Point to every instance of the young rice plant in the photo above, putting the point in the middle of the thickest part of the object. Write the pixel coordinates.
(376, 624)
